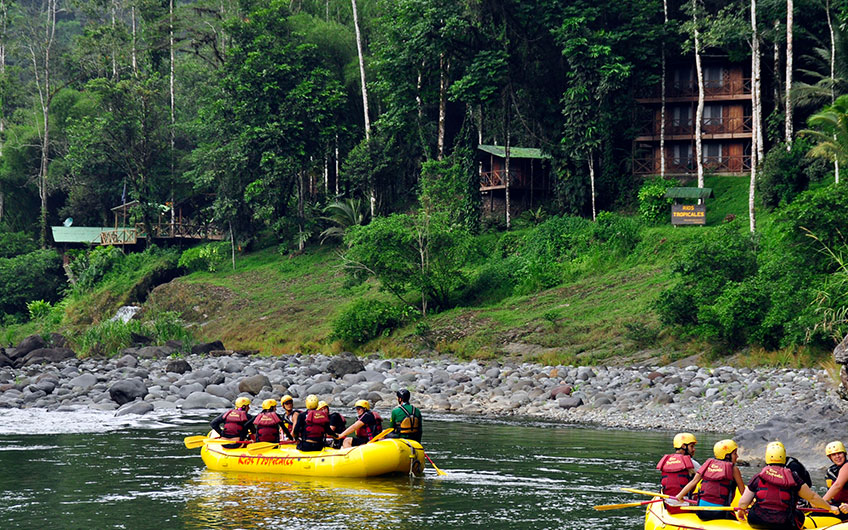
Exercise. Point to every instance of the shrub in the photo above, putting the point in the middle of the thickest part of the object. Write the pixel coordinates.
(619, 234)
(784, 174)
(364, 320)
(38, 309)
(89, 267)
(111, 336)
(33, 276)
(15, 243)
(654, 207)
(206, 257)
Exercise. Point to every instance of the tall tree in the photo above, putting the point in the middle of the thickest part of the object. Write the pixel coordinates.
(756, 110)
(372, 195)
(790, 9)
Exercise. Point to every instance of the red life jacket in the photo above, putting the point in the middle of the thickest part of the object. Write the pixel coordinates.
(267, 427)
(316, 423)
(717, 481)
(369, 431)
(234, 422)
(775, 490)
(675, 472)
(830, 477)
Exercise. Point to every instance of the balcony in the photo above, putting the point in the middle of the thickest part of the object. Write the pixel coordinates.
(711, 128)
(685, 166)
(496, 180)
(739, 88)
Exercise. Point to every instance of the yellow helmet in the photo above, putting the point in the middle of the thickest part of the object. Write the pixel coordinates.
(322, 404)
(286, 399)
(723, 448)
(242, 402)
(269, 404)
(311, 401)
(833, 448)
(363, 403)
(684, 438)
(775, 453)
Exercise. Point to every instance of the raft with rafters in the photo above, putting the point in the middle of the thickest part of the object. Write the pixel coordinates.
(382, 457)
(657, 517)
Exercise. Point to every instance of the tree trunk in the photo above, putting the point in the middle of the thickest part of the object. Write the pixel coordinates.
(4, 17)
(776, 68)
(114, 51)
(755, 97)
(789, 29)
(592, 182)
(443, 105)
(662, 95)
(372, 198)
(507, 178)
(134, 50)
(171, 81)
(832, 78)
(336, 161)
(700, 112)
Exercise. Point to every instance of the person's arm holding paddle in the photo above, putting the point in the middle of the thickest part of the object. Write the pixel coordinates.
(689, 487)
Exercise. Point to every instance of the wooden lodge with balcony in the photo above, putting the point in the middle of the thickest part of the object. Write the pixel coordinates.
(529, 176)
(726, 125)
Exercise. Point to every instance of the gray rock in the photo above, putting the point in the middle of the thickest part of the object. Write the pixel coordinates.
(33, 342)
(84, 381)
(140, 407)
(232, 366)
(127, 390)
(46, 355)
(371, 376)
(202, 400)
(186, 390)
(206, 347)
(154, 352)
(840, 352)
(345, 363)
(320, 388)
(5, 361)
(178, 366)
(127, 361)
(569, 402)
(558, 391)
(254, 384)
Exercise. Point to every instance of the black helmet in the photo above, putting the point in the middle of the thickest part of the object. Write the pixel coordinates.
(403, 394)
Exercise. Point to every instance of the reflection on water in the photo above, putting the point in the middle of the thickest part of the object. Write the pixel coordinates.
(503, 474)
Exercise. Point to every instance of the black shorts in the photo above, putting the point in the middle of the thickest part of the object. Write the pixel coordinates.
(358, 440)
(306, 446)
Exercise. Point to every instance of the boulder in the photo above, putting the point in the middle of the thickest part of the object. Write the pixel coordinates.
(46, 355)
(84, 381)
(5, 361)
(57, 340)
(206, 347)
(320, 388)
(254, 384)
(840, 352)
(222, 391)
(569, 402)
(202, 400)
(154, 352)
(127, 390)
(33, 342)
(560, 391)
(127, 361)
(178, 366)
(140, 407)
(345, 363)
(140, 340)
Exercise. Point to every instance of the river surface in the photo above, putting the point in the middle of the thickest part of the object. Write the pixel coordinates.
(137, 474)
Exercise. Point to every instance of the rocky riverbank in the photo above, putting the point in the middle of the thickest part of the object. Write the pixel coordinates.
(757, 405)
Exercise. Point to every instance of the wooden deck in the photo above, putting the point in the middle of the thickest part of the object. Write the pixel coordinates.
(130, 236)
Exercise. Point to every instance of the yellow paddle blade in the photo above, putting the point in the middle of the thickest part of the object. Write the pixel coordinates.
(603, 507)
(381, 435)
(260, 447)
(708, 508)
(643, 492)
(193, 442)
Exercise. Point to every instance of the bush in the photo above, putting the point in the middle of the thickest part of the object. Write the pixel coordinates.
(364, 320)
(16, 243)
(38, 309)
(33, 276)
(111, 336)
(89, 267)
(654, 207)
(208, 257)
(619, 234)
(822, 213)
(784, 174)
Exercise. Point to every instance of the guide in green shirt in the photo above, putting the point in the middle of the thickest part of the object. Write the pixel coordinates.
(406, 419)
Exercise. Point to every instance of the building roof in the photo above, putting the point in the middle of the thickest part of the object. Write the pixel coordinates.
(514, 152)
(689, 193)
(81, 234)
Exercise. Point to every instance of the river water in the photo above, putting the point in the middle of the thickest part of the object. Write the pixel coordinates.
(137, 474)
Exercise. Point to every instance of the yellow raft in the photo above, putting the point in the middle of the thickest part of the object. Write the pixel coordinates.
(658, 518)
(382, 457)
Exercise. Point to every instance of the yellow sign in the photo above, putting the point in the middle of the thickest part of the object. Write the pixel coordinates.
(688, 214)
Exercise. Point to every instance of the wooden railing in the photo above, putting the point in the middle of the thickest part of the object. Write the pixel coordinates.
(497, 179)
(717, 164)
(129, 236)
(686, 127)
(726, 87)
(119, 236)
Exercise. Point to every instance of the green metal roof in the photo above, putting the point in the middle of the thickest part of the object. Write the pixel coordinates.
(689, 193)
(81, 234)
(514, 152)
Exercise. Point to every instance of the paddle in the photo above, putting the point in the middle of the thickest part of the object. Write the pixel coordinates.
(193, 442)
(438, 471)
(732, 508)
(603, 507)
(654, 494)
(381, 435)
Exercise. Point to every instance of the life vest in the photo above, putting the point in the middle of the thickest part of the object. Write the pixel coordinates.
(369, 431)
(776, 494)
(234, 422)
(675, 472)
(830, 477)
(267, 427)
(288, 419)
(410, 427)
(316, 425)
(717, 482)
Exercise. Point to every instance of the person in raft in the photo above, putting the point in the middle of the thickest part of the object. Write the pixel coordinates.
(836, 478)
(311, 427)
(290, 414)
(720, 478)
(337, 424)
(267, 424)
(367, 425)
(678, 468)
(235, 423)
(776, 489)
(406, 419)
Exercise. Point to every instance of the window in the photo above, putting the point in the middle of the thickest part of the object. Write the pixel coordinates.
(682, 116)
(711, 154)
(683, 78)
(712, 116)
(713, 77)
(682, 155)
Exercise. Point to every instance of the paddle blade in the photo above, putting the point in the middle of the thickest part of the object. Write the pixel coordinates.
(381, 435)
(438, 471)
(604, 507)
(708, 508)
(260, 447)
(193, 442)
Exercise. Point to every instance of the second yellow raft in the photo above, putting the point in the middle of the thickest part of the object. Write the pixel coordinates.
(658, 518)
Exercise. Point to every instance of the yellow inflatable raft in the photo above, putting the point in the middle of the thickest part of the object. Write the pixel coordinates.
(382, 457)
(658, 518)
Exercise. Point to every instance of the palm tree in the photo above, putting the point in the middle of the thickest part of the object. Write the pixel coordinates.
(829, 129)
(344, 213)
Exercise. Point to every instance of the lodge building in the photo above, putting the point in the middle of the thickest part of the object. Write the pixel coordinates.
(726, 126)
